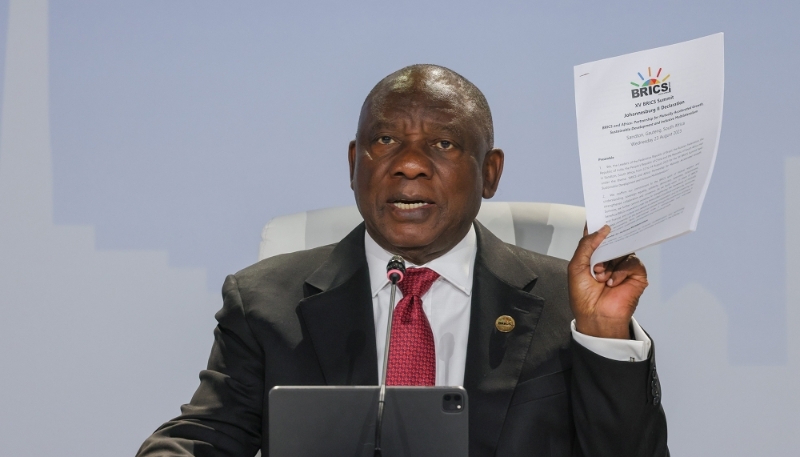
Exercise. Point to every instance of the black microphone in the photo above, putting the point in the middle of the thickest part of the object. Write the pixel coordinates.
(395, 271)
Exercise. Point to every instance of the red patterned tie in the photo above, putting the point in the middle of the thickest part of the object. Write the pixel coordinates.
(412, 354)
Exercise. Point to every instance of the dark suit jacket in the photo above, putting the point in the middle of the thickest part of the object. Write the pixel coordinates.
(306, 319)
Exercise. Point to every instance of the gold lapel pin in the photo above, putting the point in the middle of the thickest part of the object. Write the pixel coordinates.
(505, 323)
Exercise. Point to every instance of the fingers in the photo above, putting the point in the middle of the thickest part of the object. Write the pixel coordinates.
(587, 246)
(625, 267)
(603, 271)
(617, 276)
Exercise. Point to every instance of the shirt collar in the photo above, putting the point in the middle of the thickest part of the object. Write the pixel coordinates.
(456, 266)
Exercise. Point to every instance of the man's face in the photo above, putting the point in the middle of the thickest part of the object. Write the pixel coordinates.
(418, 171)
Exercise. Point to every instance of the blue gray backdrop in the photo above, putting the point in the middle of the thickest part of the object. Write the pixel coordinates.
(144, 144)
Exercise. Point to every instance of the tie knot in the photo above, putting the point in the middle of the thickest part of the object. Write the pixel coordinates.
(417, 281)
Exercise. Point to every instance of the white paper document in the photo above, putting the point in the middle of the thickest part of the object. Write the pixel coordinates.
(648, 130)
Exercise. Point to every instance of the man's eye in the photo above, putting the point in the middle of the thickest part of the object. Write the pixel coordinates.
(385, 140)
(444, 144)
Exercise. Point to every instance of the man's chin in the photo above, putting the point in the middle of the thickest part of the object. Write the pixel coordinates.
(410, 236)
(418, 243)
(411, 242)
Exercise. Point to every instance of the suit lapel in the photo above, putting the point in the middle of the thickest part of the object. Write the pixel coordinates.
(495, 359)
(337, 313)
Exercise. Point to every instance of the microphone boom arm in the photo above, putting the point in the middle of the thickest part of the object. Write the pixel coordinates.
(395, 272)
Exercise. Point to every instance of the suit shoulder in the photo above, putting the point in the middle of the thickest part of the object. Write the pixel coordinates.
(283, 269)
(540, 263)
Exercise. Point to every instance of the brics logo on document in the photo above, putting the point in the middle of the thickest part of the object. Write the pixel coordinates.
(650, 85)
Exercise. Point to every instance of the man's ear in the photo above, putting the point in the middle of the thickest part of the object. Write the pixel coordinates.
(492, 170)
(351, 157)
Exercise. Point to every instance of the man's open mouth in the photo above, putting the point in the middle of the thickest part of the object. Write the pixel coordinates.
(402, 205)
(409, 203)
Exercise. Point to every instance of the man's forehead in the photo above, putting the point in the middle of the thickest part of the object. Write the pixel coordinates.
(441, 106)
(433, 87)
(402, 105)
(434, 81)
(431, 117)
(428, 92)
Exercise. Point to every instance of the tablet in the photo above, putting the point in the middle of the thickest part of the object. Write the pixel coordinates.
(340, 421)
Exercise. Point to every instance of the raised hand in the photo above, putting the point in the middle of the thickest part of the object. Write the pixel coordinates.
(603, 307)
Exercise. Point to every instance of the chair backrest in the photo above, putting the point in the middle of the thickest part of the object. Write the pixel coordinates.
(546, 228)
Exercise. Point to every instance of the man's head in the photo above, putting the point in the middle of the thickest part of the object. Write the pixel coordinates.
(422, 160)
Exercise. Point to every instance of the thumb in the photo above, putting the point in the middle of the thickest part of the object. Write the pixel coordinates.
(587, 246)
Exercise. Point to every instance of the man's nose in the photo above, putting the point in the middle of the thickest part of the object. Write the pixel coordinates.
(414, 161)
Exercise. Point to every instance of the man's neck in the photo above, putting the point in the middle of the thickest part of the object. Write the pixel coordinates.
(456, 265)
(419, 255)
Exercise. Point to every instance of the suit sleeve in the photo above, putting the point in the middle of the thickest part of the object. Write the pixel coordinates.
(224, 416)
(617, 406)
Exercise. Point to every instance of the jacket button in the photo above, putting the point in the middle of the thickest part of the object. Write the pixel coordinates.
(656, 400)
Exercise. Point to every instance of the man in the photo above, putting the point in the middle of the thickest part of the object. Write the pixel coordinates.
(542, 384)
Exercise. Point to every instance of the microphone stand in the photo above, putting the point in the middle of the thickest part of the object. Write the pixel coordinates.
(395, 272)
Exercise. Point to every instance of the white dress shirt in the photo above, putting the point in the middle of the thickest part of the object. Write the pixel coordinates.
(447, 306)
